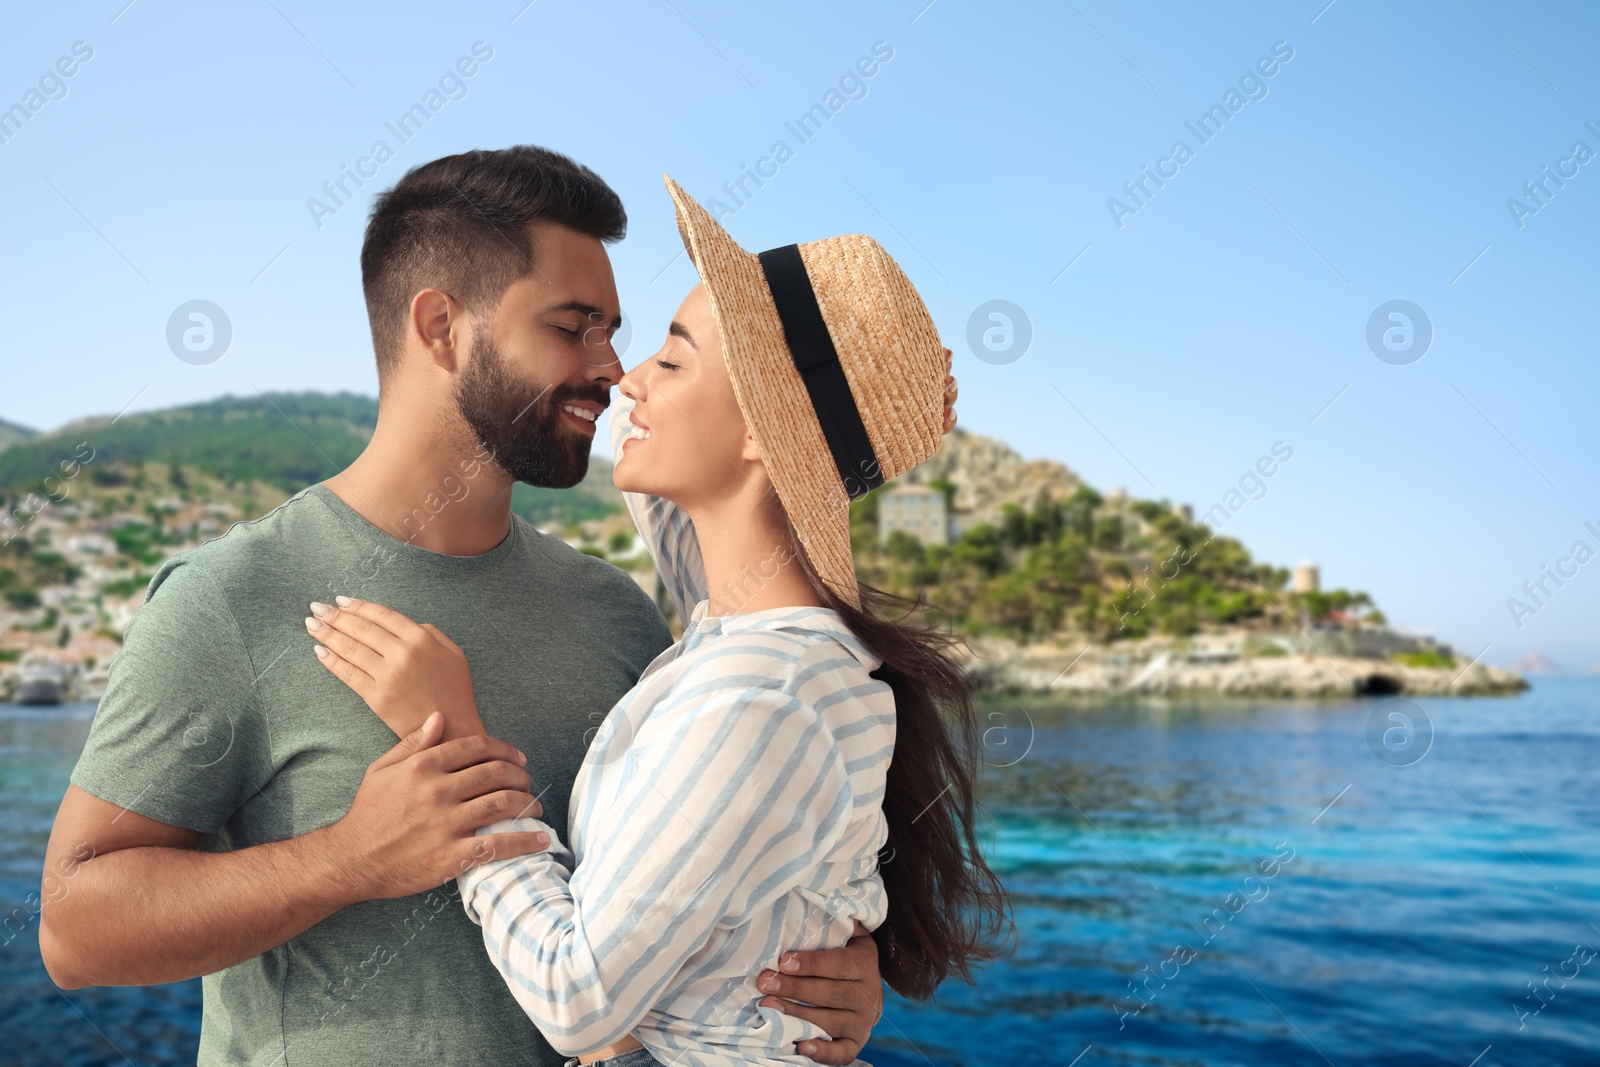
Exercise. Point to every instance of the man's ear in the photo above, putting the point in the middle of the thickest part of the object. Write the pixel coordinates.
(439, 325)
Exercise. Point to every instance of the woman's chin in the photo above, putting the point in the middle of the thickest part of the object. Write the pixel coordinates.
(630, 476)
(626, 475)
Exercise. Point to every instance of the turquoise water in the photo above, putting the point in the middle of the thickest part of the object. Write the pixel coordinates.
(1442, 909)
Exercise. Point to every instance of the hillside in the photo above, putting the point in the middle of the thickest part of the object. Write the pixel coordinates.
(11, 433)
(89, 510)
(283, 440)
(986, 474)
(1035, 552)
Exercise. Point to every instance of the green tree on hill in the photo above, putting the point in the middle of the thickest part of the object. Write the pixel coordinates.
(1056, 565)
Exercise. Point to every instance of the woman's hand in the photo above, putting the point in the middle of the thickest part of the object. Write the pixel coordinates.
(950, 392)
(402, 669)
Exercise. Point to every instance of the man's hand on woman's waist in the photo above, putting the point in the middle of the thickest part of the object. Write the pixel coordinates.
(845, 987)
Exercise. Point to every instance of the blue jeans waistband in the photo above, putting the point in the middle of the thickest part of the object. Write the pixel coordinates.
(634, 1057)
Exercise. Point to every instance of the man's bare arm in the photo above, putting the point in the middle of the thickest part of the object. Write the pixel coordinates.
(128, 900)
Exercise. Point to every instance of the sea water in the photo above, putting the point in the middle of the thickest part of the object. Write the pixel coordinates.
(1195, 883)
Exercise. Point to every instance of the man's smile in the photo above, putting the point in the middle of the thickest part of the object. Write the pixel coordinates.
(582, 414)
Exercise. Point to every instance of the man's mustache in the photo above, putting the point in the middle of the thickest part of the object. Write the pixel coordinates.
(587, 391)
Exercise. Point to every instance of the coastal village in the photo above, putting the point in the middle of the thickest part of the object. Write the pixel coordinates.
(977, 528)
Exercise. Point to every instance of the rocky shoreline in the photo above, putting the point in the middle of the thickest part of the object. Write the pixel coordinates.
(1162, 669)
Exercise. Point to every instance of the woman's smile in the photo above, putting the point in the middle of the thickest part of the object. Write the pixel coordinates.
(640, 431)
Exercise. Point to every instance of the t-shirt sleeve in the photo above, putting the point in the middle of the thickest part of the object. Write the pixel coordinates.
(180, 735)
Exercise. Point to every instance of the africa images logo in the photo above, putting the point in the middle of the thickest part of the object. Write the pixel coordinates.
(1252, 86)
(451, 85)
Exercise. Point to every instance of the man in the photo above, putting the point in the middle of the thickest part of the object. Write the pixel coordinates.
(244, 815)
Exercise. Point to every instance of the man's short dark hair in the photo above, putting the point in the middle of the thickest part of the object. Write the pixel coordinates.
(461, 224)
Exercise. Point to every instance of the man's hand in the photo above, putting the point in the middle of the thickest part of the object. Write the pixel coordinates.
(133, 901)
(842, 983)
(412, 824)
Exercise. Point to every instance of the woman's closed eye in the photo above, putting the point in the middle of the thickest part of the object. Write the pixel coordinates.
(666, 364)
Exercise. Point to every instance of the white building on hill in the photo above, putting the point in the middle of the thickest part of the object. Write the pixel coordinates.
(917, 510)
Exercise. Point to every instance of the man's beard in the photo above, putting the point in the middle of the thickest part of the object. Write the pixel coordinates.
(519, 423)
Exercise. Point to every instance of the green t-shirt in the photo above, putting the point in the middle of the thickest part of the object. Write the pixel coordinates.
(219, 718)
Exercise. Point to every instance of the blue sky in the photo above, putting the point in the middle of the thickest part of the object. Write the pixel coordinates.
(1227, 313)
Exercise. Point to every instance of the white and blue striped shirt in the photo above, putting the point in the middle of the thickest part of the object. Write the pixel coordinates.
(728, 810)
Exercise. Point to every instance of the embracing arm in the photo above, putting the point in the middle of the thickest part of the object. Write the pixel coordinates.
(408, 670)
(730, 802)
(128, 900)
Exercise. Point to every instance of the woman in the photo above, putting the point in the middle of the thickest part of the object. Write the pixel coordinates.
(741, 800)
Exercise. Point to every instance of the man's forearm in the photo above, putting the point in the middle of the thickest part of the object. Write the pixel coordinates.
(148, 907)
(147, 915)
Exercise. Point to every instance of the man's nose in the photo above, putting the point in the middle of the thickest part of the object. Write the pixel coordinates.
(601, 363)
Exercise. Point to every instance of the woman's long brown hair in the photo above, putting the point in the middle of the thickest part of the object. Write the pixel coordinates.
(947, 908)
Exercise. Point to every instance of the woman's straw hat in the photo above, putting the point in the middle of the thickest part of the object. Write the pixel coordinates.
(836, 365)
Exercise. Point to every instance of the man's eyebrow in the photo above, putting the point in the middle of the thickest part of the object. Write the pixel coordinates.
(678, 329)
(589, 311)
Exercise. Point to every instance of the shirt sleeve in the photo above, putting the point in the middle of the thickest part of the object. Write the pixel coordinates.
(730, 799)
(179, 735)
(666, 528)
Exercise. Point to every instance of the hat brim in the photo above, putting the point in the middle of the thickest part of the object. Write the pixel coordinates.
(772, 395)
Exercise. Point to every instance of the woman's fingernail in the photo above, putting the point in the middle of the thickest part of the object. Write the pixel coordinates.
(541, 839)
(790, 962)
(312, 624)
(769, 984)
(522, 758)
(322, 652)
(318, 609)
(342, 601)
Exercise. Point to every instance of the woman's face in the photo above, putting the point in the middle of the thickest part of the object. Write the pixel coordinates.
(690, 443)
